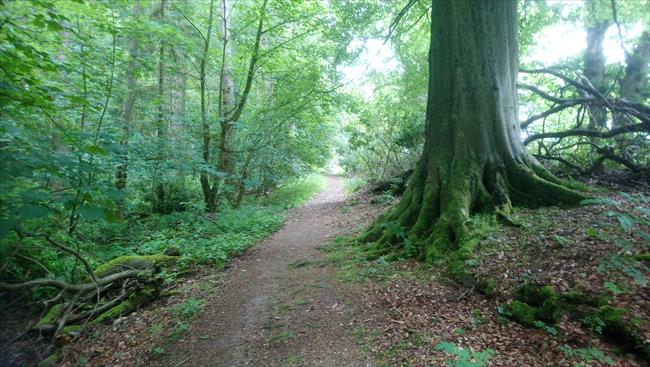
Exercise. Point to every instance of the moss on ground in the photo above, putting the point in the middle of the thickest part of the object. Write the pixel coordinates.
(621, 329)
(72, 329)
(645, 256)
(535, 303)
(50, 361)
(486, 287)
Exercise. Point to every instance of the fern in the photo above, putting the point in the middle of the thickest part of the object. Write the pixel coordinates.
(465, 357)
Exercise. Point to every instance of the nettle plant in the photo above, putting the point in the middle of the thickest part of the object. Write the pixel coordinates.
(624, 265)
(587, 355)
(464, 357)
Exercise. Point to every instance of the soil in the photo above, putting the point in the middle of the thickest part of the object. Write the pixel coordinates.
(280, 304)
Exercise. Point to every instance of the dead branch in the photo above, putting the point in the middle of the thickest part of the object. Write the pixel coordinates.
(84, 287)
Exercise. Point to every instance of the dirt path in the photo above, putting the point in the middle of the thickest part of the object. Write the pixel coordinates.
(280, 304)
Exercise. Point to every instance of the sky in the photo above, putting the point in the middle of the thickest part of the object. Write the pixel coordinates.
(553, 44)
(375, 56)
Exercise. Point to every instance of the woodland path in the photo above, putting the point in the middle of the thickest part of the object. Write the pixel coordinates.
(280, 304)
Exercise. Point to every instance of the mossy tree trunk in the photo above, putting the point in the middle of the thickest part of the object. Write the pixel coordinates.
(473, 159)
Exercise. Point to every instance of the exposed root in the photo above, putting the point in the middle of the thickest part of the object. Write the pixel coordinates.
(434, 212)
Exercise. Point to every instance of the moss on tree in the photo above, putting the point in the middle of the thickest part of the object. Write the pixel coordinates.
(132, 303)
(50, 316)
(473, 160)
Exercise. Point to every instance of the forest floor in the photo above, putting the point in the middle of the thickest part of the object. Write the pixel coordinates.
(303, 297)
(280, 304)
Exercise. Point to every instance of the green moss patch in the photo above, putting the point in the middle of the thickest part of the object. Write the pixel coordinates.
(50, 361)
(621, 329)
(534, 304)
(50, 316)
(133, 262)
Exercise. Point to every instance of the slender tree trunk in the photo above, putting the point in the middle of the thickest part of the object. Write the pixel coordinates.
(160, 116)
(473, 159)
(633, 84)
(127, 111)
(208, 194)
(231, 109)
(594, 62)
(226, 161)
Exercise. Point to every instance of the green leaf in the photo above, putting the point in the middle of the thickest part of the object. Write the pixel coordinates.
(32, 211)
(598, 201)
(92, 212)
(612, 287)
(95, 149)
(5, 225)
(626, 221)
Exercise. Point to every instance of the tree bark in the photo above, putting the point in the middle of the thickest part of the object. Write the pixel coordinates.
(632, 86)
(226, 161)
(594, 62)
(473, 159)
(159, 188)
(208, 194)
(127, 110)
(231, 109)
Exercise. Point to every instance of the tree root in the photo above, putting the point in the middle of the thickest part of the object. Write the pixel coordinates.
(434, 213)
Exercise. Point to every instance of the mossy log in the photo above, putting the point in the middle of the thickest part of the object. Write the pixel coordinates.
(134, 262)
(120, 295)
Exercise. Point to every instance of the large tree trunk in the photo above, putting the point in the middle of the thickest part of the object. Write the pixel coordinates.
(473, 159)
(636, 71)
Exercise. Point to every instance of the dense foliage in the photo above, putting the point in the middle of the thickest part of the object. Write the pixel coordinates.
(107, 107)
(384, 134)
(186, 128)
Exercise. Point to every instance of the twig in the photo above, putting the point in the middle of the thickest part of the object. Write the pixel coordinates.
(182, 362)
(212, 221)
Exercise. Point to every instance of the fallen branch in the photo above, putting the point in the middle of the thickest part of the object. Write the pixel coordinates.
(84, 287)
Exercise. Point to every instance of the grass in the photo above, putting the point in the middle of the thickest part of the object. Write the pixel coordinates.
(353, 184)
(282, 336)
(296, 192)
(352, 263)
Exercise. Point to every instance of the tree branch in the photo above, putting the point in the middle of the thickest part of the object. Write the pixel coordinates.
(590, 133)
(251, 67)
(84, 287)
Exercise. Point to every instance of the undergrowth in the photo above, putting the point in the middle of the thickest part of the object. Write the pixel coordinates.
(296, 192)
(200, 239)
(353, 184)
